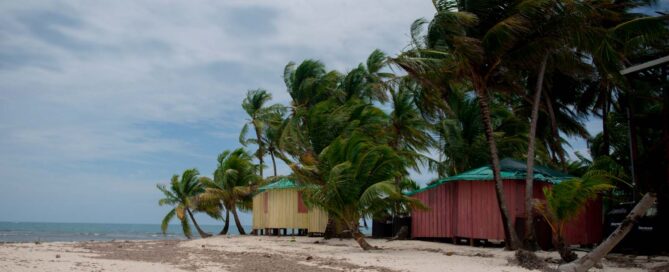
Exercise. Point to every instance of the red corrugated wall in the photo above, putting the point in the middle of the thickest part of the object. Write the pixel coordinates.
(468, 209)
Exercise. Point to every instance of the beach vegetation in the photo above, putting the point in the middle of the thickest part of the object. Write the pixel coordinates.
(550, 63)
(235, 180)
(260, 120)
(565, 201)
(181, 193)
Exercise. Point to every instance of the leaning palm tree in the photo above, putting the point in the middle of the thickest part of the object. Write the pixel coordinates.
(254, 106)
(308, 84)
(232, 185)
(408, 130)
(368, 81)
(565, 200)
(354, 177)
(271, 136)
(570, 36)
(554, 25)
(181, 194)
(408, 134)
(468, 44)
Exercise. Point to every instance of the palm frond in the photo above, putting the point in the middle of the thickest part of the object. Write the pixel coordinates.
(166, 221)
(242, 135)
(185, 227)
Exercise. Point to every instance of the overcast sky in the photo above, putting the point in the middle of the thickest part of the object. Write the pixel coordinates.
(99, 101)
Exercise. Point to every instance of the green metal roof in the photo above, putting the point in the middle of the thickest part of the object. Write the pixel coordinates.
(510, 169)
(282, 183)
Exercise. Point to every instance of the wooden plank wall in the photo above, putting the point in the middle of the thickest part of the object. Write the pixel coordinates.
(279, 209)
(318, 220)
(468, 209)
(259, 214)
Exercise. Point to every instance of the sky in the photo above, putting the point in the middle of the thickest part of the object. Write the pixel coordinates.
(102, 100)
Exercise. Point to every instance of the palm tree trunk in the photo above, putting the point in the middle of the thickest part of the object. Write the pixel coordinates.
(663, 207)
(239, 224)
(330, 229)
(283, 157)
(665, 127)
(227, 223)
(563, 249)
(359, 238)
(605, 131)
(271, 153)
(261, 150)
(197, 226)
(510, 236)
(631, 133)
(396, 207)
(530, 241)
(557, 146)
(590, 259)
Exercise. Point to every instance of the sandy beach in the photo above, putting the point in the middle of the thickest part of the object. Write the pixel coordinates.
(261, 253)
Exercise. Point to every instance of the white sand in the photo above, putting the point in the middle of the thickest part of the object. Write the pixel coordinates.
(43, 257)
(396, 255)
(409, 255)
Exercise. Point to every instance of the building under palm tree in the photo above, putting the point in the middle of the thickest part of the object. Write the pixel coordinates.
(279, 205)
(464, 207)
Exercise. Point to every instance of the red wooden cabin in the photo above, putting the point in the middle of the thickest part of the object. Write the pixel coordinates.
(465, 206)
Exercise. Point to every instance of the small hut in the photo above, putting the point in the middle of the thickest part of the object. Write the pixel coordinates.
(465, 207)
(279, 206)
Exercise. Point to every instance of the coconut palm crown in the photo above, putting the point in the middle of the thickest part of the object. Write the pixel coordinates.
(234, 180)
(181, 194)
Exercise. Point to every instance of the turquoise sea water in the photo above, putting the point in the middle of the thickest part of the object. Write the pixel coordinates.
(68, 232)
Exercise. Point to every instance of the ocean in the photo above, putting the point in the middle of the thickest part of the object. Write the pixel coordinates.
(71, 232)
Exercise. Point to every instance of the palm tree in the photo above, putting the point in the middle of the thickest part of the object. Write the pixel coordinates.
(618, 33)
(355, 177)
(234, 179)
(605, 40)
(461, 137)
(271, 136)
(254, 105)
(317, 111)
(469, 45)
(557, 115)
(368, 81)
(408, 130)
(181, 194)
(408, 134)
(324, 106)
(307, 84)
(556, 23)
(565, 200)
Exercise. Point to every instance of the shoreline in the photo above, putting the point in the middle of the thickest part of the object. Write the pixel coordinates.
(271, 253)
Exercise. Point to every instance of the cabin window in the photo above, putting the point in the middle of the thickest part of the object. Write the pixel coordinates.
(265, 201)
(301, 208)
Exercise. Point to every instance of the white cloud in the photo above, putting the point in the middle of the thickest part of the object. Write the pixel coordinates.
(106, 89)
(119, 64)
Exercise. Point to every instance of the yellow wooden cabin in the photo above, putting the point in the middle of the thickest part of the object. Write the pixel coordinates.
(279, 205)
